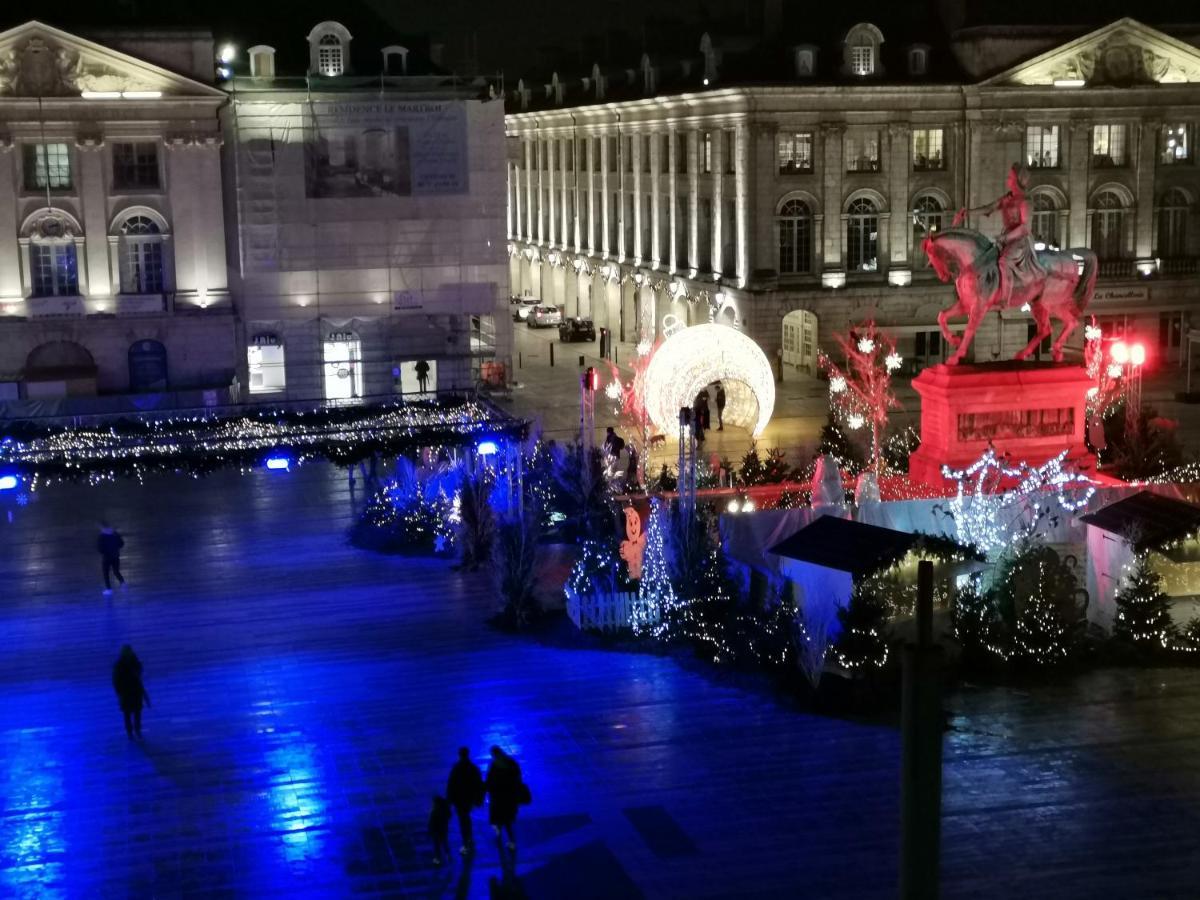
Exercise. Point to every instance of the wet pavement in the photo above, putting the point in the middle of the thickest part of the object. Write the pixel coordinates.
(309, 697)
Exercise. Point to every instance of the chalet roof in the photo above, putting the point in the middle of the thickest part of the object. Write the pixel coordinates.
(846, 545)
(1152, 520)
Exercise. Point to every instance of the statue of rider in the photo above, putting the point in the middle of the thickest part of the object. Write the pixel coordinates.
(1018, 263)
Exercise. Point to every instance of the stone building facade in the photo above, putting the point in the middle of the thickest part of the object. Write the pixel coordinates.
(366, 212)
(112, 251)
(791, 209)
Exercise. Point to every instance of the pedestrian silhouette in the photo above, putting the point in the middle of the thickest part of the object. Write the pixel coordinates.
(109, 545)
(506, 792)
(464, 791)
(720, 406)
(131, 693)
(439, 829)
(422, 368)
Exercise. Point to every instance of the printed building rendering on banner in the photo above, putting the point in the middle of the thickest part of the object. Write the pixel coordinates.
(386, 149)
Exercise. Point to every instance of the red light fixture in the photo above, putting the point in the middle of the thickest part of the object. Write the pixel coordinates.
(1137, 354)
(1120, 352)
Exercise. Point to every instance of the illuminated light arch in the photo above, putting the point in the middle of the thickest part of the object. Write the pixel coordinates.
(692, 359)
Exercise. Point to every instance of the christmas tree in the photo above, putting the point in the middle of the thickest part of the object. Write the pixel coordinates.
(862, 645)
(1143, 609)
(655, 594)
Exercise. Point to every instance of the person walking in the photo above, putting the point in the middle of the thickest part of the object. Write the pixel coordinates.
(465, 791)
(439, 829)
(131, 693)
(109, 544)
(506, 792)
(720, 406)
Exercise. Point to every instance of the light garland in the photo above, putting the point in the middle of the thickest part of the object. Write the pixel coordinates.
(201, 444)
(979, 512)
(690, 360)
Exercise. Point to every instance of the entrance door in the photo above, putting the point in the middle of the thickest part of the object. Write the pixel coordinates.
(800, 341)
(343, 367)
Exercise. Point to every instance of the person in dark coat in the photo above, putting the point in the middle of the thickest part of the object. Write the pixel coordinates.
(700, 415)
(422, 368)
(720, 406)
(439, 829)
(131, 693)
(109, 544)
(464, 791)
(504, 794)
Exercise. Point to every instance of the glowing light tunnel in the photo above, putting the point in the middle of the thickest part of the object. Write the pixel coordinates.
(691, 359)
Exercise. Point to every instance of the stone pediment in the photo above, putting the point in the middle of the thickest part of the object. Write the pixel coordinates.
(1123, 54)
(38, 60)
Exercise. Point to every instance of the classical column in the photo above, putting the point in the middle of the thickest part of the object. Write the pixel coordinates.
(899, 165)
(640, 253)
(673, 199)
(94, 219)
(762, 196)
(11, 251)
(833, 172)
(718, 193)
(590, 187)
(605, 200)
(552, 223)
(1078, 157)
(529, 227)
(539, 196)
(742, 199)
(693, 200)
(1147, 161)
(656, 216)
(517, 195)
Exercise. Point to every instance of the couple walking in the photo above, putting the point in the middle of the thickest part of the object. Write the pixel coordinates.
(466, 789)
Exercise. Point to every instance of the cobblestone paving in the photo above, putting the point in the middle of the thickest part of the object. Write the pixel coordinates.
(308, 698)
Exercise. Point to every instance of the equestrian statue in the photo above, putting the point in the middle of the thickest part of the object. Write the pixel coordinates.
(1009, 272)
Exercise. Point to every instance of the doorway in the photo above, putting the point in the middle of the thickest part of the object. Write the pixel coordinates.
(800, 341)
(343, 366)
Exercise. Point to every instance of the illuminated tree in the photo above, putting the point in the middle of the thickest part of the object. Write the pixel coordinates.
(862, 646)
(860, 393)
(1143, 609)
(655, 594)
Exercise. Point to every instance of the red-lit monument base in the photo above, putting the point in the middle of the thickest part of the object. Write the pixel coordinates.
(1028, 411)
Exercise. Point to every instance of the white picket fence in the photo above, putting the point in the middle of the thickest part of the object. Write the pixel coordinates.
(605, 612)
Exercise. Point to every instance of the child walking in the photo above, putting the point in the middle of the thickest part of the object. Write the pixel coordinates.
(439, 829)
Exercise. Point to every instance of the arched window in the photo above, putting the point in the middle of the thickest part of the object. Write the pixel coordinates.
(927, 218)
(862, 236)
(1173, 214)
(795, 238)
(1108, 225)
(1045, 220)
(329, 55)
(862, 49)
(141, 246)
(53, 267)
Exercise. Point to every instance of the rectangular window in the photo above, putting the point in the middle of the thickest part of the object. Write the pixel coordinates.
(927, 148)
(1170, 330)
(612, 154)
(141, 266)
(568, 155)
(1041, 146)
(795, 152)
(730, 150)
(583, 155)
(862, 151)
(628, 147)
(53, 269)
(862, 60)
(646, 154)
(1176, 144)
(665, 154)
(1108, 146)
(135, 165)
(47, 166)
(681, 154)
(708, 142)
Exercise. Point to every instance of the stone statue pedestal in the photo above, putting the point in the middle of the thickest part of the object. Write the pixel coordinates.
(1031, 412)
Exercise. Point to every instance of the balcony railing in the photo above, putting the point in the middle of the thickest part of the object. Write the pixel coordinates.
(1178, 265)
(1116, 268)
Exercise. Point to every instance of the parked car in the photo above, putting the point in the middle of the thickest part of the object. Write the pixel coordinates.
(522, 308)
(576, 329)
(544, 317)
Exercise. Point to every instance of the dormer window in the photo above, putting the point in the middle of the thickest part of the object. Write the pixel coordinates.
(395, 60)
(262, 61)
(806, 62)
(328, 49)
(918, 60)
(329, 55)
(862, 50)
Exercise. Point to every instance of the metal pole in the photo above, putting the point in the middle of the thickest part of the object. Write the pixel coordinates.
(921, 752)
(551, 354)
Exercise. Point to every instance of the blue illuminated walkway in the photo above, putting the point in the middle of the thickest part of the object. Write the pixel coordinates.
(309, 697)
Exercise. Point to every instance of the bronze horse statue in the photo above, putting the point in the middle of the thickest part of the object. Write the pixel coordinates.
(1061, 290)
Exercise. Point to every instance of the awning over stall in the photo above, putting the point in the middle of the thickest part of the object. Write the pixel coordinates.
(1147, 521)
(846, 546)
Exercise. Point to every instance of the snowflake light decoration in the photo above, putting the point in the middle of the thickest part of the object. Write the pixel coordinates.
(644, 347)
(866, 345)
(1114, 370)
(893, 361)
(837, 384)
(990, 517)
(854, 421)
(1091, 333)
(613, 390)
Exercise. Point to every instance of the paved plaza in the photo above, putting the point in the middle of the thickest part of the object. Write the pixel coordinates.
(308, 699)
